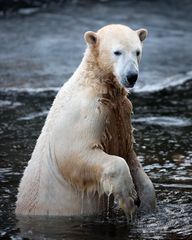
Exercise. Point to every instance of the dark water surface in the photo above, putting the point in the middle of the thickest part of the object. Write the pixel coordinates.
(163, 134)
(40, 52)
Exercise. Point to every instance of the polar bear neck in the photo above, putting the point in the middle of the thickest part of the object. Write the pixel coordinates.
(90, 73)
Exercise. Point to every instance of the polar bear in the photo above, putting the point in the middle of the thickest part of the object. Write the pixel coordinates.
(85, 150)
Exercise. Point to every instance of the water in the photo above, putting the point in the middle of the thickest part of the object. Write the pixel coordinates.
(36, 59)
(163, 144)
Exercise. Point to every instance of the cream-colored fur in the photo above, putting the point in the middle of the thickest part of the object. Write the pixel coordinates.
(86, 145)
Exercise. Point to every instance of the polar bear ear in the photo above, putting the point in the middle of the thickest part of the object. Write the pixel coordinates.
(91, 38)
(142, 33)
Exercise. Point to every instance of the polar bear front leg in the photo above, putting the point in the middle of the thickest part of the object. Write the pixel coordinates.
(116, 178)
(143, 184)
(95, 170)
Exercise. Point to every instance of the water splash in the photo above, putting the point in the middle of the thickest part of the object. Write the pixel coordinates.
(32, 116)
(29, 89)
(164, 121)
(171, 81)
(82, 202)
(108, 203)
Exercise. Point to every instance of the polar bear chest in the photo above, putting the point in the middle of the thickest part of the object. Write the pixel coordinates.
(117, 138)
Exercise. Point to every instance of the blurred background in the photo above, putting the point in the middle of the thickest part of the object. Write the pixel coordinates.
(41, 44)
(42, 41)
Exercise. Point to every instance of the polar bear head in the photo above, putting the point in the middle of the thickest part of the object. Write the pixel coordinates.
(117, 49)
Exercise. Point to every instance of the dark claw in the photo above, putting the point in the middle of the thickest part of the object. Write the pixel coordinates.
(137, 202)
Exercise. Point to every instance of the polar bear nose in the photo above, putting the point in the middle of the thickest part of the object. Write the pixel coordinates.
(132, 78)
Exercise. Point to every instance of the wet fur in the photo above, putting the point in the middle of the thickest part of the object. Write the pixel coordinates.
(87, 134)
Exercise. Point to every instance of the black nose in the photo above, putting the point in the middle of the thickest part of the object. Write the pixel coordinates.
(132, 78)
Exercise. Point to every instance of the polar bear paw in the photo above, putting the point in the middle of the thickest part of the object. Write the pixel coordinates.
(116, 179)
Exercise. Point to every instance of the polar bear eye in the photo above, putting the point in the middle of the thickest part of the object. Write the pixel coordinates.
(137, 53)
(117, 53)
